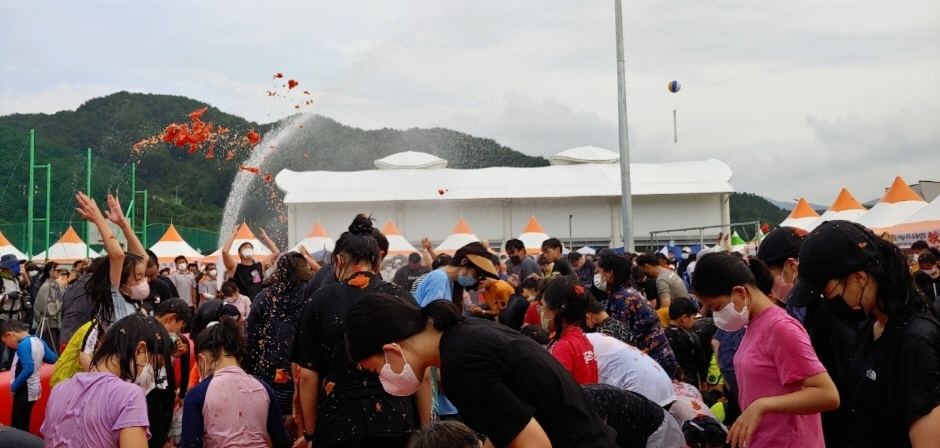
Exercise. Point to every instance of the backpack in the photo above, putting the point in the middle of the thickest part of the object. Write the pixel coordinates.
(12, 299)
(68, 364)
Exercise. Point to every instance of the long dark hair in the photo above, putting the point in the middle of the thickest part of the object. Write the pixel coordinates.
(286, 274)
(358, 243)
(225, 338)
(568, 297)
(98, 286)
(716, 274)
(46, 271)
(896, 289)
(379, 319)
(617, 265)
(122, 338)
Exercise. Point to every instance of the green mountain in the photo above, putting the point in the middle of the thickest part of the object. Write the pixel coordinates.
(189, 189)
(747, 207)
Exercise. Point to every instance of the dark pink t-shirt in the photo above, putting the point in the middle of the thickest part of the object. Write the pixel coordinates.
(775, 356)
(576, 353)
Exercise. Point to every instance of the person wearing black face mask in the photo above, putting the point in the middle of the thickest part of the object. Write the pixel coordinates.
(521, 266)
(891, 381)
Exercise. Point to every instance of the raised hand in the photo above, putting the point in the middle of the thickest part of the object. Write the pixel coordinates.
(114, 212)
(88, 209)
(426, 243)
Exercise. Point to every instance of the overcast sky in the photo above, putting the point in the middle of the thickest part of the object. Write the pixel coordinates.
(800, 98)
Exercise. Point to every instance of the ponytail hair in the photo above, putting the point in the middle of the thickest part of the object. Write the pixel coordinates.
(379, 319)
(723, 272)
(896, 288)
(359, 243)
(224, 338)
(569, 299)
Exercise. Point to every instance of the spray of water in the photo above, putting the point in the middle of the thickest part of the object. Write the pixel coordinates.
(245, 186)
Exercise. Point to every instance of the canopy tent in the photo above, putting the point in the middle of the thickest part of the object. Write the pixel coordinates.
(7, 248)
(758, 237)
(172, 245)
(397, 244)
(801, 217)
(69, 249)
(898, 204)
(923, 225)
(243, 236)
(844, 208)
(586, 251)
(532, 237)
(316, 240)
(460, 237)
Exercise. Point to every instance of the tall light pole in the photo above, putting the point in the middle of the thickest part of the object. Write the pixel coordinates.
(626, 198)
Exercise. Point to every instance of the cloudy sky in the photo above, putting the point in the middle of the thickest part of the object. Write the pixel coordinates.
(800, 98)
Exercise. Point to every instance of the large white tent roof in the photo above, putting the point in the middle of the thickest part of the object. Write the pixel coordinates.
(844, 208)
(460, 237)
(898, 204)
(923, 225)
(7, 248)
(316, 240)
(579, 180)
(68, 249)
(397, 244)
(410, 160)
(172, 245)
(584, 154)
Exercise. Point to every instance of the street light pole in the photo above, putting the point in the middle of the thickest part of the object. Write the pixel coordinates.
(626, 198)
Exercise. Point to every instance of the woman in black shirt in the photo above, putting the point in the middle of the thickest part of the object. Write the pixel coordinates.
(341, 404)
(894, 376)
(506, 386)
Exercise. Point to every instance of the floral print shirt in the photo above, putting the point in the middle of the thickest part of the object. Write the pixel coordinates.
(628, 306)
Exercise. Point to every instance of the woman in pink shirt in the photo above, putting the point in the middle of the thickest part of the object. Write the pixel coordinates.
(782, 385)
(230, 407)
(564, 303)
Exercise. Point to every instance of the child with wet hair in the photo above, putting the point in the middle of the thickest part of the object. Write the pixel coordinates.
(445, 434)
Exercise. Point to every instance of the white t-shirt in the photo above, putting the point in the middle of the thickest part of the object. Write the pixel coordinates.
(628, 368)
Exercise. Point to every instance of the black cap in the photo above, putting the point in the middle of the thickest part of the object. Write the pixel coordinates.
(780, 244)
(835, 249)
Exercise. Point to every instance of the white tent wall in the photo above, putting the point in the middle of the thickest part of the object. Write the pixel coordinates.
(595, 219)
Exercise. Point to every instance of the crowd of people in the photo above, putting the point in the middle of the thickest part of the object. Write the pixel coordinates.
(823, 339)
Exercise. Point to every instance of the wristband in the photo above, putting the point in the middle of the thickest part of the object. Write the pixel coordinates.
(308, 437)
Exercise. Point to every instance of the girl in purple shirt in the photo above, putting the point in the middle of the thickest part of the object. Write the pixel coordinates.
(782, 386)
(105, 407)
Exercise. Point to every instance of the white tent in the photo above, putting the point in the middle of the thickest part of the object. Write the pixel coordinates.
(243, 236)
(923, 225)
(69, 249)
(7, 248)
(397, 244)
(460, 237)
(898, 204)
(801, 217)
(532, 237)
(587, 251)
(172, 245)
(844, 208)
(316, 240)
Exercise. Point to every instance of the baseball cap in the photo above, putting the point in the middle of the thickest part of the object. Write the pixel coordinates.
(687, 250)
(780, 244)
(835, 249)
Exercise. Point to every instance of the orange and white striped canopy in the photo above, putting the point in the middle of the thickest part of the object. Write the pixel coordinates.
(69, 249)
(172, 245)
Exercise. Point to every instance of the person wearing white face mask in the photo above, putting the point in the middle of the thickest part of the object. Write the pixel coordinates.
(781, 383)
(185, 283)
(505, 385)
(105, 407)
(246, 272)
(209, 284)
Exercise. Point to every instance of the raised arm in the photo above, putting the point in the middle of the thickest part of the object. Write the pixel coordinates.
(274, 250)
(428, 254)
(116, 216)
(227, 259)
(314, 266)
(88, 209)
